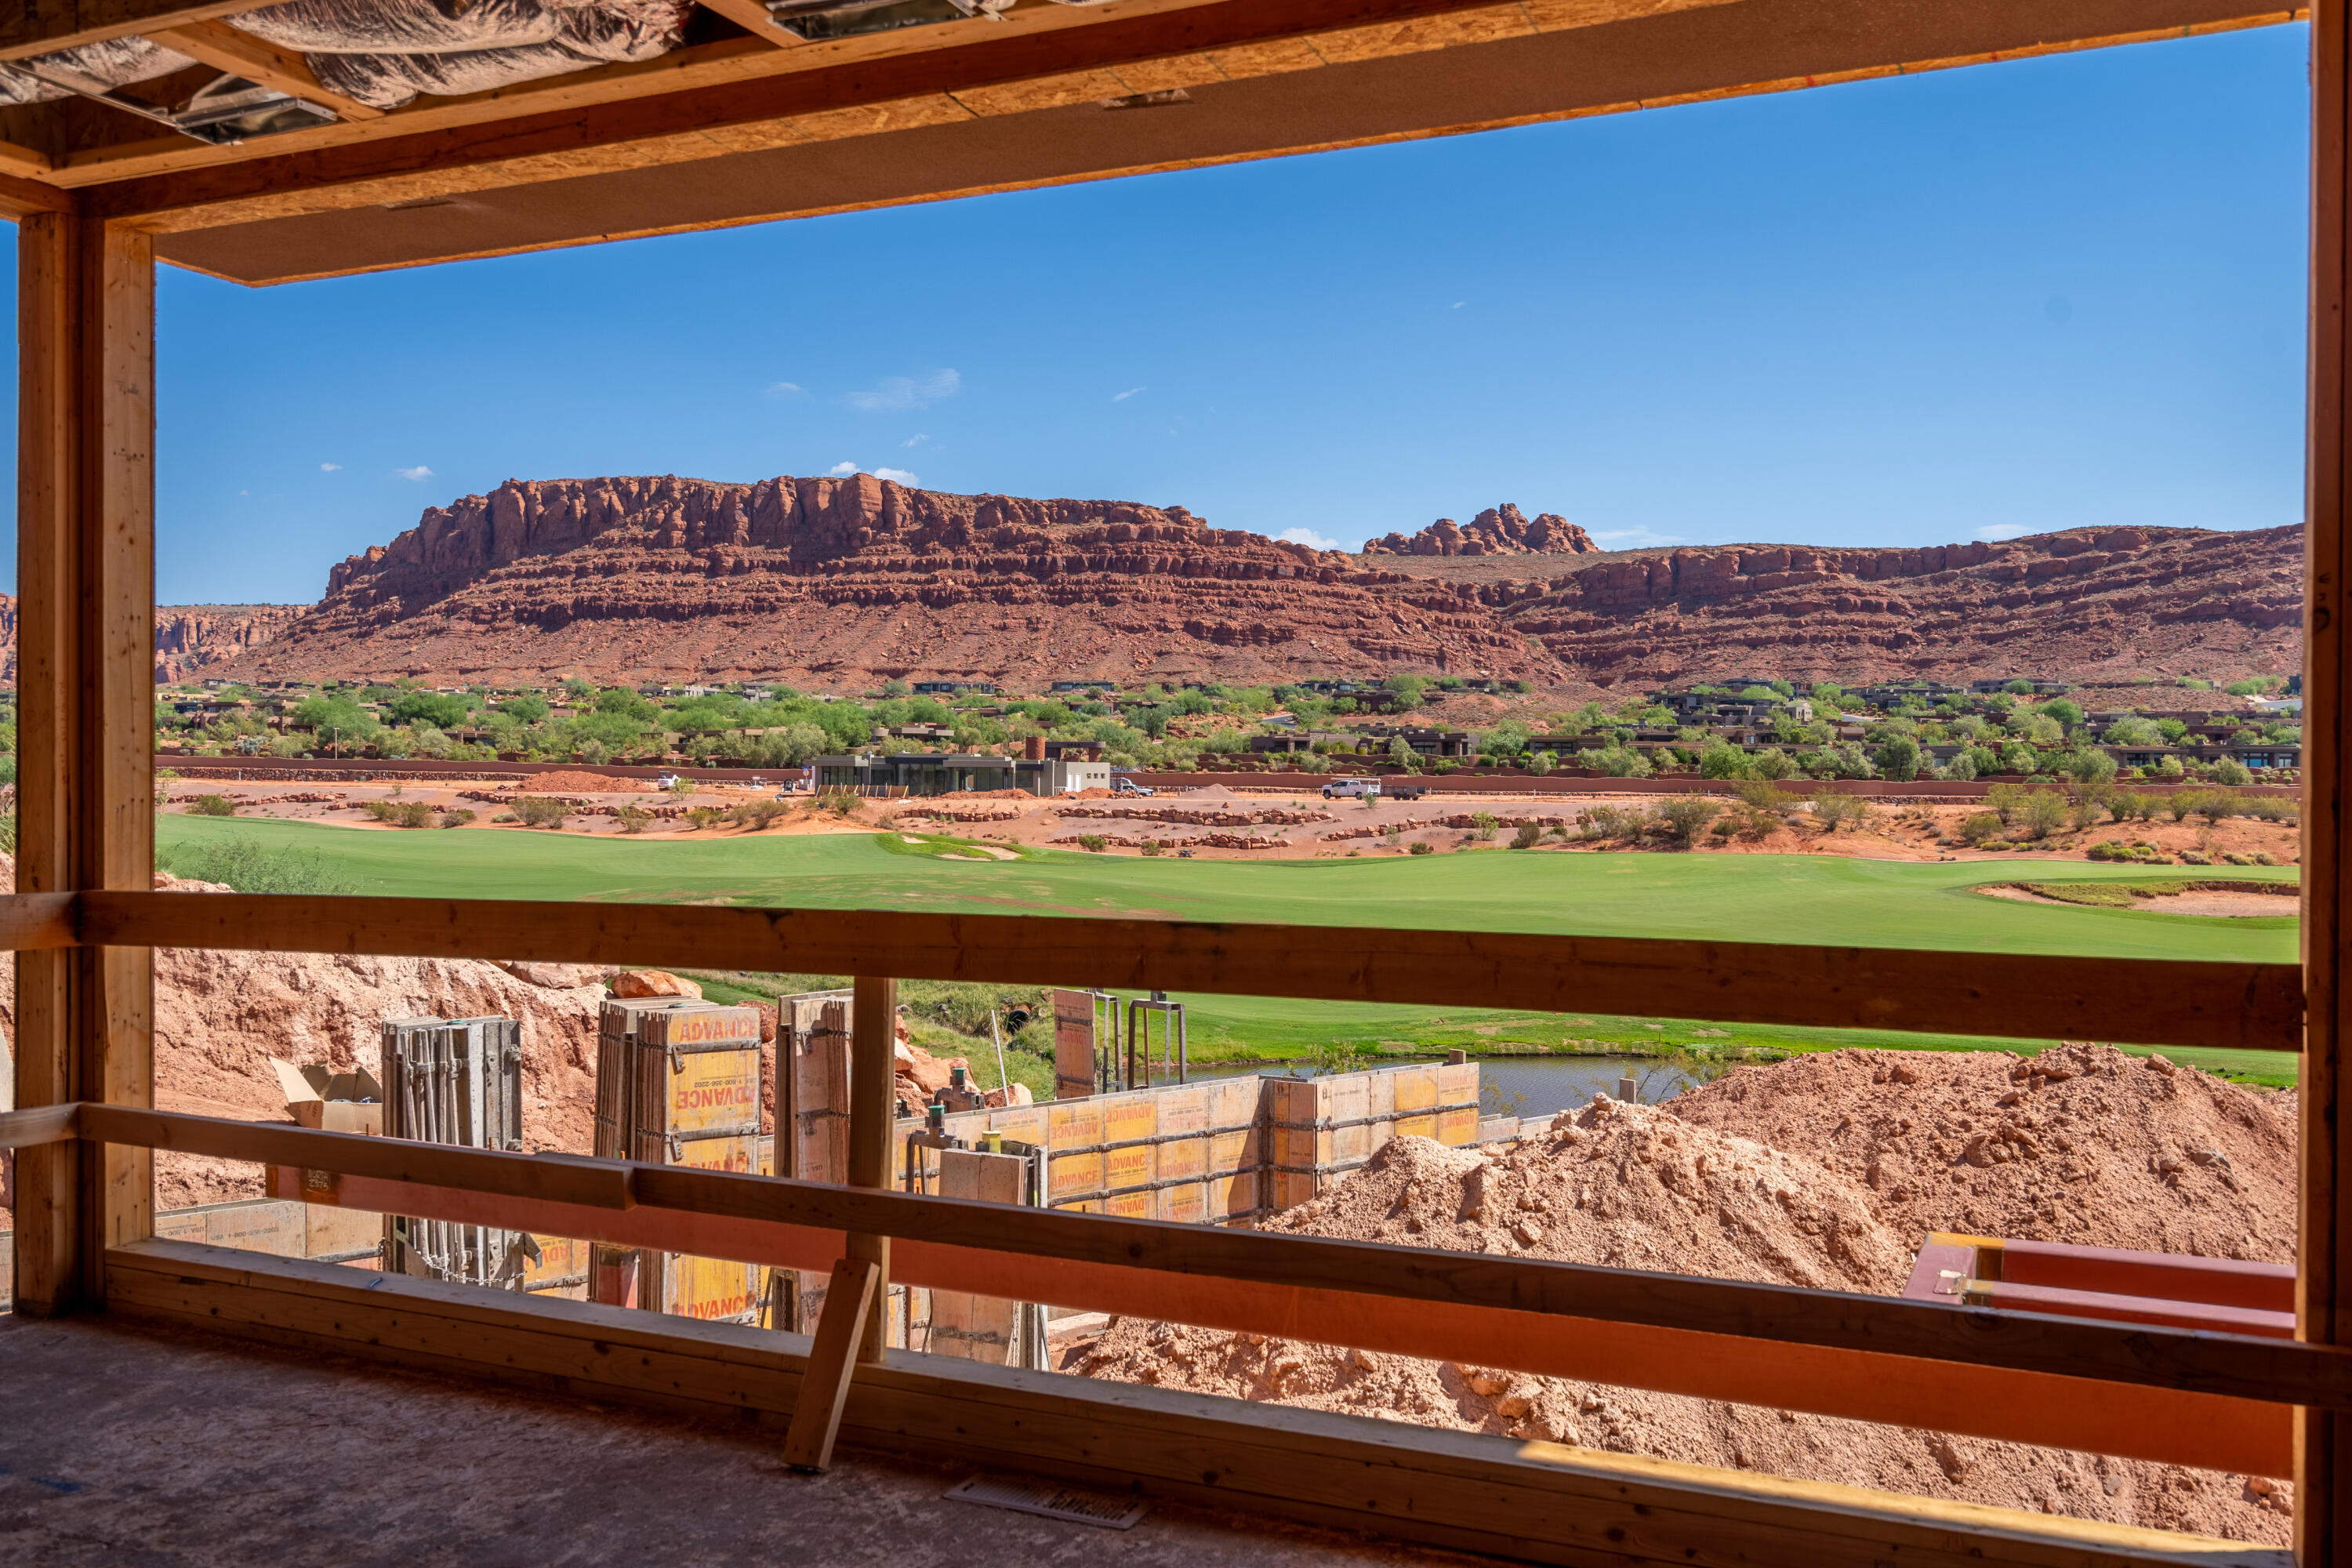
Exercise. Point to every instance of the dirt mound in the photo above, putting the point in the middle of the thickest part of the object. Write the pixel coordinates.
(1647, 1188)
(584, 782)
(2080, 1143)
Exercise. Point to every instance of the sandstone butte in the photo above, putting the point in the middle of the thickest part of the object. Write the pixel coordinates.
(848, 582)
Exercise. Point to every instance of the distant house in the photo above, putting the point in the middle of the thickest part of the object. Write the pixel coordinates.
(961, 772)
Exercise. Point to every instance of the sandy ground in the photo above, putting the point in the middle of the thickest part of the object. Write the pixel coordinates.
(1221, 821)
(2201, 901)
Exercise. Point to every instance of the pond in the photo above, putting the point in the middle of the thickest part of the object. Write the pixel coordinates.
(1519, 1086)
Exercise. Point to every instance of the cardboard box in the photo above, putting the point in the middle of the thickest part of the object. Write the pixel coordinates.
(319, 1097)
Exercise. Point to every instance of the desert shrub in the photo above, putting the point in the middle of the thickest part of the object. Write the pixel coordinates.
(843, 801)
(1724, 826)
(2109, 850)
(1600, 822)
(1979, 828)
(2132, 805)
(2042, 812)
(2229, 771)
(2268, 808)
(1765, 794)
(1529, 834)
(504, 816)
(1834, 808)
(538, 811)
(1092, 843)
(755, 814)
(1153, 847)
(1422, 846)
(212, 806)
(2191, 857)
(458, 816)
(2003, 800)
(399, 813)
(704, 816)
(2182, 803)
(1773, 763)
(250, 867)
(1484, 823)
(2262, 857)
(1683, 815)
(2213, 804)
(633, 818)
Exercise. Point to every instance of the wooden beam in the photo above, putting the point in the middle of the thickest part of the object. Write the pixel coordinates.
(660, 119)
(1528, 1502)
(110, 820)
(2256, 1006)
(753, 19)
(38, 922)
(42, 1125)
(873, 1112)
(44, 26)
(223, 48)
(796, 1223)
(2323, 1517)
(841, 1332)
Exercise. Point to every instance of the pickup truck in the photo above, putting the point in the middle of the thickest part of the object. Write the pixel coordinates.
(1351, 789)
(1125, 786)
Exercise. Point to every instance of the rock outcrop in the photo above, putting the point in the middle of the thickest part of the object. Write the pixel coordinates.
(188, 638)
(858, 579)
(849, 581)
(2084, 605)
(1498, 531)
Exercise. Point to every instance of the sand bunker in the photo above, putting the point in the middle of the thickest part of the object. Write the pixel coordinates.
(1825, 1171)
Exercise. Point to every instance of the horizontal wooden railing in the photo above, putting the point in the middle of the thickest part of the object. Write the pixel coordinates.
(2256, 1006)
(2177, 1397)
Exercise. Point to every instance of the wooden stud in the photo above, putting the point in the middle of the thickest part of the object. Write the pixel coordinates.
(258, 62)
(2246, 1006)
(39, 28)
(2322, 1514)
(873, 1109)
(48, 1181)
(824, 1388)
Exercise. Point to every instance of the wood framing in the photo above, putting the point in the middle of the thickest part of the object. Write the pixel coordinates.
(842, 1331)
(85, 572)
(2323, 1524)
(223, 48)
(1529, 1501)
(2256, 1006)
(873, 1108)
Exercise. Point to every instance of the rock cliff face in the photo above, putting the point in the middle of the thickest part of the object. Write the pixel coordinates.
(188, 638)
(2082, 604)
(856, 580)
(1497, 530)
(850, 582)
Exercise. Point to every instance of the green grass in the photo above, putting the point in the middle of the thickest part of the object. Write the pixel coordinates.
(1748, 898)
(1790, 898)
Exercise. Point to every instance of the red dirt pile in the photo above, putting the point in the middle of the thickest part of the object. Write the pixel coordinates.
(1673, 1188)
(581, 783)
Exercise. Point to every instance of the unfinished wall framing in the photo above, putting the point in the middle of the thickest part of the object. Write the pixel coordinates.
(749, 128)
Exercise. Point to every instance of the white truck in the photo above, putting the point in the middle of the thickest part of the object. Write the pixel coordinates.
(1351, 789)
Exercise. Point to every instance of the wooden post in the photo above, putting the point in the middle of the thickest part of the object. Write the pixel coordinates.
(825, 1386)
(85, 685)
(872, 1107)
(2323, 1521)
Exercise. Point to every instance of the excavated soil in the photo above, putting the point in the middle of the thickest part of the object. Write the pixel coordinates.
(1825, 1171)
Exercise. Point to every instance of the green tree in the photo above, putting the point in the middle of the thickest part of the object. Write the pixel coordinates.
(2064, 710)
(1722, 759)
(527, 708)
(430, 707)
(1897, 757)
(2043, 813)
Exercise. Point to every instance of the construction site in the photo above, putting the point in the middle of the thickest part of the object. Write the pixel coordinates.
(297, 1181)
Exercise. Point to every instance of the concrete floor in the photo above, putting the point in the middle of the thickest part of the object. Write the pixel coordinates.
(139, 1448)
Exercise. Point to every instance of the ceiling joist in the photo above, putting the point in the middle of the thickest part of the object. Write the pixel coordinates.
(223, 48)
(42, 27)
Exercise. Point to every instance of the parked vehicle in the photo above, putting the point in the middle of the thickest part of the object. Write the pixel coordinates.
(667, 781)
(1125, 786)
(1351, 789)
(1397, 791)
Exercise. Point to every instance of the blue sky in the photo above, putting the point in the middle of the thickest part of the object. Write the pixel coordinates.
(1971, 303)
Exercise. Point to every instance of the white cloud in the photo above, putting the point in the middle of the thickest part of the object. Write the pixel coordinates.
(1308, 537)
(908, 392)
(898, 477)
(1635, 538)
(245, 492)
(331, 467)
(418, 472)
(1123, 397)
(842, 469)
(914, 441)
(1458, 304)
(1995, 532)
(783, 389)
